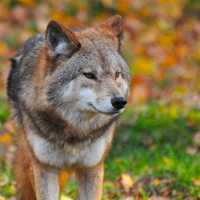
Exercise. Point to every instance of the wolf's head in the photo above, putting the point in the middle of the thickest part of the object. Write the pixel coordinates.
(85, 75)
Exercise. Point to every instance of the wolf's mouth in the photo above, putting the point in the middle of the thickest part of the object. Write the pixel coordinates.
(114, 112)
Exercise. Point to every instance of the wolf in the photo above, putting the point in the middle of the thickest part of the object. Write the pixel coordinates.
(67, 89)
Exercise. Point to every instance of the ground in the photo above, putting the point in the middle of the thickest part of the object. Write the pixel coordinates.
(155, 154)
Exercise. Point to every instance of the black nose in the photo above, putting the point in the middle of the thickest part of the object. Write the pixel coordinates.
(118, 102)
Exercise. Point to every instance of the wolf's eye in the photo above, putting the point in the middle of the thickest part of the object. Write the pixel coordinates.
(117, 75)
(90, 75)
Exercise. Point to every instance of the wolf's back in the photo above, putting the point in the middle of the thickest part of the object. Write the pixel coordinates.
(16, 74)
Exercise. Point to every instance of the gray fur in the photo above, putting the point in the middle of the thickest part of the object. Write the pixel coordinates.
(43, 109)
(61, 88)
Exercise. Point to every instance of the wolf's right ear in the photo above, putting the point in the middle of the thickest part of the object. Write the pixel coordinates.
(115, 24)
(61, 40)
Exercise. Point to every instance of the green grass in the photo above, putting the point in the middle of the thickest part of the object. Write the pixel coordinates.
(151, 146)
(6, 181)
(4, 112)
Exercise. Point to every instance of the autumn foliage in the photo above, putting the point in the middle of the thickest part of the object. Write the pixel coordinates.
(161, 46)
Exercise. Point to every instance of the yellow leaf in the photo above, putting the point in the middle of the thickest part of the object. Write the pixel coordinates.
(143, 66)
(64, 18)
(196, 181)
(126, 181)
(168, 1)
(60, 16)
(156, 182)
(64, 197)
(27, 2)
(123, 5)
(108, 3)
(173, 111)
(166, 40)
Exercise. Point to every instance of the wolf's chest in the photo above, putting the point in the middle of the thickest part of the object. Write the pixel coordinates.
(86, 154)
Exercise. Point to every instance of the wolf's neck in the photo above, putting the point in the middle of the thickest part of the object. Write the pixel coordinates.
(54, 129)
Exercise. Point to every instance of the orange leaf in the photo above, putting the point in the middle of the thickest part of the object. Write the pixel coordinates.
(63, 178)
(5, 138)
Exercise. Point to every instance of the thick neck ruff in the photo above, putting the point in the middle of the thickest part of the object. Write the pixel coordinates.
(53, 128)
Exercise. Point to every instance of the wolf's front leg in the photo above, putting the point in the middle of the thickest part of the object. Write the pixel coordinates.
(90, 182)
(46, 183)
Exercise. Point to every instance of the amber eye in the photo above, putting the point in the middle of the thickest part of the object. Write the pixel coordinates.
(90, 75)
(117, 75)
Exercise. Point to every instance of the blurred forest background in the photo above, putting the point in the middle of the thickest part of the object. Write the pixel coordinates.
(156, 152)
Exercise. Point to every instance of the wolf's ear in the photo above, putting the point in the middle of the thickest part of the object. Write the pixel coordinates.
(61, 40)
(115, 23)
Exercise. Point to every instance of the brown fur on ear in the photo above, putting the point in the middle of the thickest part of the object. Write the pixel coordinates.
(60, 39)
(115, 24)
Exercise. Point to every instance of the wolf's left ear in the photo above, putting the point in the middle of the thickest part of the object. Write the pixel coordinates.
(115, 23)
(61, 40)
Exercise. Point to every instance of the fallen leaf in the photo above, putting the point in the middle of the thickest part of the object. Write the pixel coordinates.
(9, 126)
(156, 182)
(196, 181)
(126, 182)
(159, 198)
(63, 178)
(64, 197)
(196, 138)
(191, 150)
(5, 138)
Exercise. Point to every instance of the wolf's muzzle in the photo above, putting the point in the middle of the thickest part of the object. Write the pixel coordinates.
(118, 102)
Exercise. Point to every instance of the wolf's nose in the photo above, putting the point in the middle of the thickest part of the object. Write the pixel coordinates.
(118, 102)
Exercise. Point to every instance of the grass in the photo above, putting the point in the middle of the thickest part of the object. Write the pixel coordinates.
(151, 146)
(6, 181)
(4, 112)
